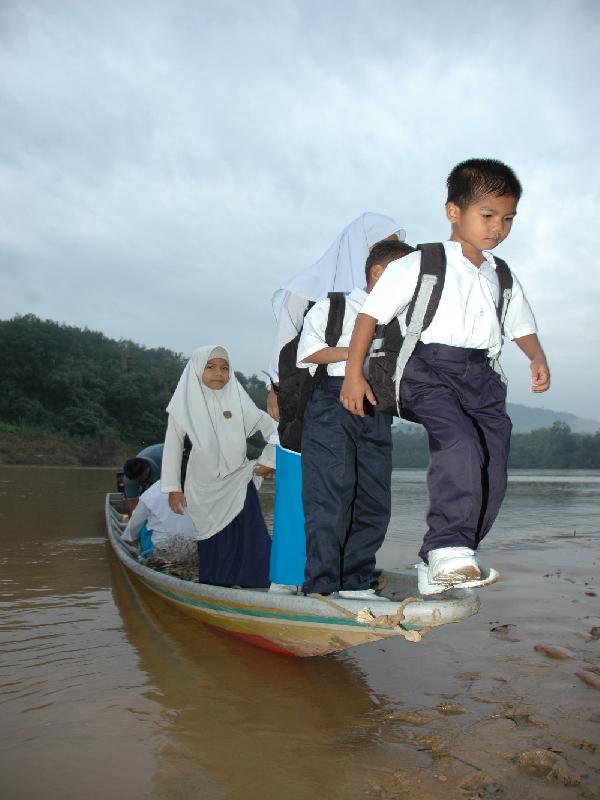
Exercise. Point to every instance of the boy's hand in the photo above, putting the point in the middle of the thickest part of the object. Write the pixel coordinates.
(353, 393)
(273, 404)
(540, 375)
(177, 502)
(264, 472)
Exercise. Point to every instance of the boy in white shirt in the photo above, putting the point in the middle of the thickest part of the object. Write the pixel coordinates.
(448, 383)
(346, 460)
(172, 534)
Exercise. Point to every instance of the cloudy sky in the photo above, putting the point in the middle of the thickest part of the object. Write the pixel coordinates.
(165, 165)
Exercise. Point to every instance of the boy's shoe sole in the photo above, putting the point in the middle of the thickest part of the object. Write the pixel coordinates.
(283, 588)
(427, 587)
(361, 594)
(450, 565)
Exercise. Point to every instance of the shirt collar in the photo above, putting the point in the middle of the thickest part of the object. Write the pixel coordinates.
(489, 258)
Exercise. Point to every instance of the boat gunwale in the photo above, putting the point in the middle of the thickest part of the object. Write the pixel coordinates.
(245, 603)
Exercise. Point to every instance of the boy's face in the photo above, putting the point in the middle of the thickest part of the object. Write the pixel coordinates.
(216, 373)
(483, 224)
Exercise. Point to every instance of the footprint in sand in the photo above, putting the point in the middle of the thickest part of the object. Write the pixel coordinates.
(546, 764)
(502, 631)
(589, 678)
(552, 652)
(445, 707)
(414, 717)
(595, 632)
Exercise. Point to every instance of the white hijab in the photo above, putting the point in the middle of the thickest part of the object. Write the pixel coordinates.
(218, 421)
(342, 267)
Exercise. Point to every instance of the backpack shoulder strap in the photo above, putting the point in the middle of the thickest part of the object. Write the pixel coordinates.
(505, 279)
(335, 318)
(333, 329)
(424, 303)
(431, 274)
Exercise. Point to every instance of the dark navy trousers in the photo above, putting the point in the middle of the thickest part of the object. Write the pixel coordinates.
(346, 475)
(461, 402)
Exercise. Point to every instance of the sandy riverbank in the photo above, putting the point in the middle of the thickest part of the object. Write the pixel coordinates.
(507, 703)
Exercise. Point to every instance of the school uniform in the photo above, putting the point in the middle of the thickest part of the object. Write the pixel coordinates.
(450, 387)
(220, 486)
(346, 469)
(163, 525)
(340, 269)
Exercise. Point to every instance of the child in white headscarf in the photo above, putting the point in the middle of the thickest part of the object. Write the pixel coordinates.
(340, 269)
(217, 415)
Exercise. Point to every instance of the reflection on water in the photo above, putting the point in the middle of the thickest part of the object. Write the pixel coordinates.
(107, 691)
(238, 721)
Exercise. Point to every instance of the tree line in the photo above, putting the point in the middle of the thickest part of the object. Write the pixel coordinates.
(60, 379)
(556, 447)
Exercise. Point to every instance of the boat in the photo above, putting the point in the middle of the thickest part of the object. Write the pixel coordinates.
(296, 625)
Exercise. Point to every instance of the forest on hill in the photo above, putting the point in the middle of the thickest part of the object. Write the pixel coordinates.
(60, 380)
(108, 396)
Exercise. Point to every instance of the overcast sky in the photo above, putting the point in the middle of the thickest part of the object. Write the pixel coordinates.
(165, 165)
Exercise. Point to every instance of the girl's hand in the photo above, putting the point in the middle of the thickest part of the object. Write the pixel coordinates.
(273, 404)
(263, 472)
(177, 502)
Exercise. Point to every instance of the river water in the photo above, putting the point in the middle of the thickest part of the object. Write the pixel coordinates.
(105, 691)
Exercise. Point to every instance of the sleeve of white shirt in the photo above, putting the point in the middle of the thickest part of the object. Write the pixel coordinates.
(519, 320)
(288, 326)
(312, 338)
(394, 290)
(132, 532)
(170, 478)
(267, 457)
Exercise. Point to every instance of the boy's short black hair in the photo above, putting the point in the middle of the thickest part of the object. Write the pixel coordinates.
(135, 468)
(471, 180)
(384, 252)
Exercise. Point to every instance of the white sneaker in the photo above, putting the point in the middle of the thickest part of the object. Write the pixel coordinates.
(429, 587)
(452, 565)
(283, 588)
(361, 594)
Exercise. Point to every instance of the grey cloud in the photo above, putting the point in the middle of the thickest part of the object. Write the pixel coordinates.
(164, 166)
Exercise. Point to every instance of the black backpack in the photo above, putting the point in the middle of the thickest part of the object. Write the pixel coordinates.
(296, 383)
(391, 351)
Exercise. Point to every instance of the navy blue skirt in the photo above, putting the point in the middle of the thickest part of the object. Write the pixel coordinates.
(239, 554)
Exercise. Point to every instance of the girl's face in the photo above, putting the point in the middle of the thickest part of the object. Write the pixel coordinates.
(216, 373)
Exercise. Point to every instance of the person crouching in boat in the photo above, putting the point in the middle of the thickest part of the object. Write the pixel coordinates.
(217, 415)
(140, 473)
(168, 535)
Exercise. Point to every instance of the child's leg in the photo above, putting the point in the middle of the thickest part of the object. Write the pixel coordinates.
(448, 388)
(328, 477)
(372, 505)
(494, 428)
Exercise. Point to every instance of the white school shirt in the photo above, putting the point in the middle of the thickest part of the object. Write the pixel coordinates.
(153, 508)
(466, 315)
(312, 338)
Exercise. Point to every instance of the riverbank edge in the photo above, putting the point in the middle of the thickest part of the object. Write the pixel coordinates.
(35, 449)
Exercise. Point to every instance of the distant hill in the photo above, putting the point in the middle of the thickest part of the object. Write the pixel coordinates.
(527, 418)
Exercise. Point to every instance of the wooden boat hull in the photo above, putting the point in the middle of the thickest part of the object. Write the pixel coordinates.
(292, 624)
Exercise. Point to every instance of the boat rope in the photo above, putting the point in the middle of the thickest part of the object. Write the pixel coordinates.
(393, 621)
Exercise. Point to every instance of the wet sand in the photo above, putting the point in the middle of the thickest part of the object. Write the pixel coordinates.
(105, 691)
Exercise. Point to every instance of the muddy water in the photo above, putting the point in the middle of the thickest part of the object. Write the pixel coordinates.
(104, 691)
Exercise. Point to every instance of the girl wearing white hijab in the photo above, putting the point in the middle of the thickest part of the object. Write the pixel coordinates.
(216, 413)
(340, 269)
